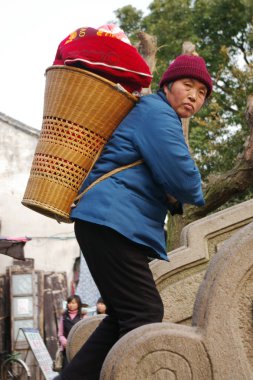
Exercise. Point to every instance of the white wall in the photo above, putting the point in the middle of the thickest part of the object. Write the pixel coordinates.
(53, 245)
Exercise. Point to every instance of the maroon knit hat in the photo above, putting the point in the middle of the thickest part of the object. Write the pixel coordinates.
(188, 66)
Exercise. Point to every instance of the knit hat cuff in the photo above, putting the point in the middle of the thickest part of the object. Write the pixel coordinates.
(188, 67)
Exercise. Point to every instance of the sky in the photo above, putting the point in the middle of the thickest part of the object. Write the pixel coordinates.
(31, 31)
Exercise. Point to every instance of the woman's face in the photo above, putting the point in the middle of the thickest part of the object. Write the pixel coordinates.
(73, 305)
(101, 308)
(186, 96)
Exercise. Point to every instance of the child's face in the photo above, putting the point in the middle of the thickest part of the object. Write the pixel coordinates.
(101, 308)
(73, 305)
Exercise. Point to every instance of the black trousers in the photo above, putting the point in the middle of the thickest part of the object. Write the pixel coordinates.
(121, 272)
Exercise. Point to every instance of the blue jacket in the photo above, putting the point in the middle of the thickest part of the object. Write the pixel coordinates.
(133, 202)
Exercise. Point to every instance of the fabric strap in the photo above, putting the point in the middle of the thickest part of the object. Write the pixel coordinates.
(105, 176)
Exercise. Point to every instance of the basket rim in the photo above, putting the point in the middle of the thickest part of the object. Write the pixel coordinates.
(99, 78)
(47, 210)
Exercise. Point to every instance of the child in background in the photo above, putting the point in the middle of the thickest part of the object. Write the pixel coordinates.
(70, 317)
(100, 306)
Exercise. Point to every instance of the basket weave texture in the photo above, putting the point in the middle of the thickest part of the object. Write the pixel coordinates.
(81, 111)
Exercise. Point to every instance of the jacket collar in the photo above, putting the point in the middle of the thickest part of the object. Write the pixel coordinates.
(163, 96)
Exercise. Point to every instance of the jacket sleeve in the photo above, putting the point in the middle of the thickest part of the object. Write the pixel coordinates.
(62, 339)
(160, 141)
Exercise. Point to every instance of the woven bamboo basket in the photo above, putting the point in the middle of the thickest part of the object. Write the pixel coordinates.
(81, 111)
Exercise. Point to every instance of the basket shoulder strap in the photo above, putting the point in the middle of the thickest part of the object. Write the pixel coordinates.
(106, 175)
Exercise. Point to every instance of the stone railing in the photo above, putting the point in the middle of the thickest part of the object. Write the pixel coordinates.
(178, 281)
(207, 331)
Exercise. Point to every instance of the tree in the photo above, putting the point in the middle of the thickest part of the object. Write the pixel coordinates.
(223, 34)
(130, 20)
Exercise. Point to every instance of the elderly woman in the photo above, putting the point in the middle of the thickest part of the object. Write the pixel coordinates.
(119, 222)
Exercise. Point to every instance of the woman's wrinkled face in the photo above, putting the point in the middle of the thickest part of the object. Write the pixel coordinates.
(186, 96)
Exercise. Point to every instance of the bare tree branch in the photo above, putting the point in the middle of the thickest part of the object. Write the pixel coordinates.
(147, 47)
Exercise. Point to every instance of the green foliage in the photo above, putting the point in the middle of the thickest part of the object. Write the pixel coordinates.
(170, 21)
(223, 28)
(130, 20)
(222, 32)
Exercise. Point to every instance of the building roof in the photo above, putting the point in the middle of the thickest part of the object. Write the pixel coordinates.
(17, 124)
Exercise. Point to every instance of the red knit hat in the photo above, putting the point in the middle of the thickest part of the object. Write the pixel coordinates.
(188, 66)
